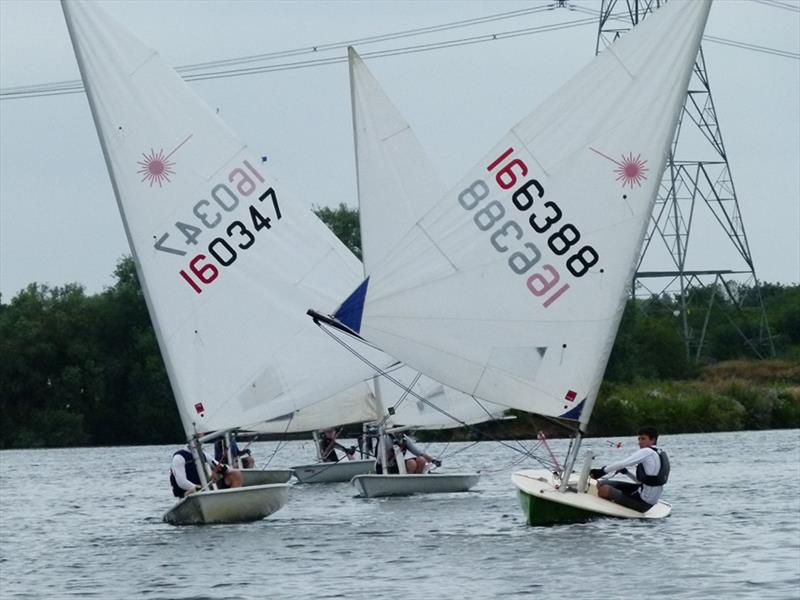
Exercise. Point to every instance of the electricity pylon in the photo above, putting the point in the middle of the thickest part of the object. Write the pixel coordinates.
(695, 259)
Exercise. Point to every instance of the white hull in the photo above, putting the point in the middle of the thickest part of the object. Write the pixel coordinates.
(331, 472)
(538, 484)
(265, 476)
(373, 486)
(235, 505)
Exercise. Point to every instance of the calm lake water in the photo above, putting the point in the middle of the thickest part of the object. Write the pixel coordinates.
(86, 523)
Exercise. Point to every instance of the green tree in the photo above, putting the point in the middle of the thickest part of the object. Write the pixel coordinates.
(48, 371)
(343, 222)
(144, 409)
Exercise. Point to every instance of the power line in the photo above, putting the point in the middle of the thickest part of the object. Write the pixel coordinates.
(76, 86)
(776, 4)
(715, 39)
(369, 39)
(753, 47)
(217, 69)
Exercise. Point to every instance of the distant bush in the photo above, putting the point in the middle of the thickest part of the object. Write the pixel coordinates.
(786, 410)
(695, 406)
(51, 429)
(774, 371)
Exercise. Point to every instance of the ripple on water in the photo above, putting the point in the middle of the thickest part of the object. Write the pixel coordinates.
(727, 536)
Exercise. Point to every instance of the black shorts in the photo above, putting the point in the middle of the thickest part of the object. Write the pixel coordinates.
(627, 495)
(392, 468)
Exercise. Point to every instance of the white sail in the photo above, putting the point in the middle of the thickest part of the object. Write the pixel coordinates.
(228, 261)
(356, 405)
(396, 181)
(431, 406)
(397, 185)
(512, 286)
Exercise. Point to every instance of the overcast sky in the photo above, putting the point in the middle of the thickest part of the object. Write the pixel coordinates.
(58, 219)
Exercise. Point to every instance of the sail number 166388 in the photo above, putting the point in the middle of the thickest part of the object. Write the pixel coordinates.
(562, 238)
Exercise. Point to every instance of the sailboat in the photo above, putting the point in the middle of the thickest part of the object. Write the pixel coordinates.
(354, 406)
(251, 475)
(510, 288)
(228, 263)
(433, 407)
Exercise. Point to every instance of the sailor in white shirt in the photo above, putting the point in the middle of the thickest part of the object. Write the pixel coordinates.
(652, 472)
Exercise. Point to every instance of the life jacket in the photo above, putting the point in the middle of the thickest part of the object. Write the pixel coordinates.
(663, 471)
(191, 473)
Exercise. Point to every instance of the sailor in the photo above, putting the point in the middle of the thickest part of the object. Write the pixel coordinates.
(185, 479)
(328, 446)
(406, 444)
(652, 472)
(243, 458)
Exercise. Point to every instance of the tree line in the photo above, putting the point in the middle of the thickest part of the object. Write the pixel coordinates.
(85, 369)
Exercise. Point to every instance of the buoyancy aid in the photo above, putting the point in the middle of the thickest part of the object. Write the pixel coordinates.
(663, 471)
(191, 474)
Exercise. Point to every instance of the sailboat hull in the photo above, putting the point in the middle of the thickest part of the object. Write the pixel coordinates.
(338, 472)
(235, 505)
(373, 486)
(543, 504)
(265, 476)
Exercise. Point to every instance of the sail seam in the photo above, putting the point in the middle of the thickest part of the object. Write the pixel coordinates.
(435, 245)
(398, 132)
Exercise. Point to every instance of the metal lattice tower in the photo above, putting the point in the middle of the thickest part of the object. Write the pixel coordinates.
(695, 257)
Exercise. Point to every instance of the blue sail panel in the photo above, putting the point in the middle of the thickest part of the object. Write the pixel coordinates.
(574, 413)
(352, 309)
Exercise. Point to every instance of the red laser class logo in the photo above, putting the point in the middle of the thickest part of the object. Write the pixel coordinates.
(630, 169)
(157, 168)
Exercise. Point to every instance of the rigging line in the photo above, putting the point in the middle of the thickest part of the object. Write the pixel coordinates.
(443, 455)
(280, 443)
(542, 461)
(492, 417)
(76, 86)
(385, 374)
(446, 446)
(405, 390)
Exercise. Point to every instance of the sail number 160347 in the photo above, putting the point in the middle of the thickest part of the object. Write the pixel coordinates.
(234, 223)
(239, 234)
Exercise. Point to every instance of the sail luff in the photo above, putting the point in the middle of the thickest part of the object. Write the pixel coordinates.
(351, 54)
(185, 417)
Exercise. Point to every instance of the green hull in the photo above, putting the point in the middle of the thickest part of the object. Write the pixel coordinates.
(539, 511)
